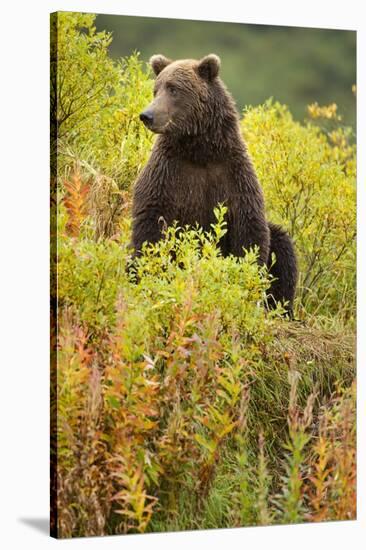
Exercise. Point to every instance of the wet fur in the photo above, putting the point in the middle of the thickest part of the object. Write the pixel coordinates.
(199, 160)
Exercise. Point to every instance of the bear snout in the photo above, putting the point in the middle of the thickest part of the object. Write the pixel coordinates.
(147, 117)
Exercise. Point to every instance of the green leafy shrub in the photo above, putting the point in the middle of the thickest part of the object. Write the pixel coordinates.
(175, 358)
(309, 182)
(95, 101)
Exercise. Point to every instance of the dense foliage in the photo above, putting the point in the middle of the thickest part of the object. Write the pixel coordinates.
(309, 180)
(182, 402)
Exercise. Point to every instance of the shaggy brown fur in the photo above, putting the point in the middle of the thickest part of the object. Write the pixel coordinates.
(199, 160)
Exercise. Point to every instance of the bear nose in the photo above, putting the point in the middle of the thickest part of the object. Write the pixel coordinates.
(147, 117)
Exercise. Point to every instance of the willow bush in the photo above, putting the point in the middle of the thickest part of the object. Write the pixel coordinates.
(309, 180)
(95, 101)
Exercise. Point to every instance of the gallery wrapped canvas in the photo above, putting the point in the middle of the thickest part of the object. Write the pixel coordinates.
(203, 260)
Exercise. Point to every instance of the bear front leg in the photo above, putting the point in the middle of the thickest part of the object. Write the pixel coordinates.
(149, 205)
(147, 227)
(247, 227)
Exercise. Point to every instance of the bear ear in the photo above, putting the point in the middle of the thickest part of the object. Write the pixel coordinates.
(158, 63)
(209, 66)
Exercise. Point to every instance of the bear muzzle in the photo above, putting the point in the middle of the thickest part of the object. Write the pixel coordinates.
(147, 118)
(156, 117)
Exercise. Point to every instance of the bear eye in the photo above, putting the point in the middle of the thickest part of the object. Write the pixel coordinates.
(172, 89)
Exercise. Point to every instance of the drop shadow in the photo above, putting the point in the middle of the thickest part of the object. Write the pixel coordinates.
(39, 524)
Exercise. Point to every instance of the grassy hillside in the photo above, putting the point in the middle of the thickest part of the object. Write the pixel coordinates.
(182, 403)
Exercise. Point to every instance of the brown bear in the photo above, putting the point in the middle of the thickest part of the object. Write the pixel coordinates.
(199, 160)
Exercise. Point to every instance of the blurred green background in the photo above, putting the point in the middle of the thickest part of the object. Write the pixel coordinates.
(296, 66)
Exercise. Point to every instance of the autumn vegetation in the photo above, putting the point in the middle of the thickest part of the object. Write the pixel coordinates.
(179, 401)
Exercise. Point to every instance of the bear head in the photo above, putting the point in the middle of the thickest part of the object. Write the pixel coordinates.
(184, 95)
